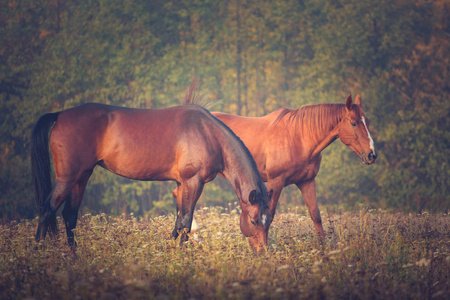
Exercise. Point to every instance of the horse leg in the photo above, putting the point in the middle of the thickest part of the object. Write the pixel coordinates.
(178, 220)
(187, 194)
(47, 212)
(194, 226)
(308, 190)
(70, 211)
(277, 188)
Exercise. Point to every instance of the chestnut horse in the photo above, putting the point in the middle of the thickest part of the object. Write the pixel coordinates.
(185, 144)
(287, 144)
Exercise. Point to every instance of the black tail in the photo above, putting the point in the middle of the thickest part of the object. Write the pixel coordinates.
(40, 157)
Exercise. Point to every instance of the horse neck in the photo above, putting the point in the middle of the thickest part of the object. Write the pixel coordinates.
(319, 125)
(239, 167)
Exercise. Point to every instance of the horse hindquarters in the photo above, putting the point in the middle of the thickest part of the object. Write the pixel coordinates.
(69, 187)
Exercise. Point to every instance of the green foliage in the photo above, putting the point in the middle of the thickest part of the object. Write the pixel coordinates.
(55, 55)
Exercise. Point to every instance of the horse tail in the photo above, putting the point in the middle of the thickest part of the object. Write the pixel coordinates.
(40, 157)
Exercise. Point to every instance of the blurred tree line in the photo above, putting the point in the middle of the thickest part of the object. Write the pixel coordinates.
(252, 57)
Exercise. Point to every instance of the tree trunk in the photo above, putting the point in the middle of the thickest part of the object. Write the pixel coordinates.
(238, 57)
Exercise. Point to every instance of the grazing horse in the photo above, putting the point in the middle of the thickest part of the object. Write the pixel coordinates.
(185, 144)
(287, 144)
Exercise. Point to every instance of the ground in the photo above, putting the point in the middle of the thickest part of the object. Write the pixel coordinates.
(369, 254)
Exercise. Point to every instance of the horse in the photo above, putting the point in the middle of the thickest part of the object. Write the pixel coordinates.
(185, 144)
(287, 144)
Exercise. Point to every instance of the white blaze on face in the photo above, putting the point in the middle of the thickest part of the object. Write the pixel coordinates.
(264, 218)
(372, 145)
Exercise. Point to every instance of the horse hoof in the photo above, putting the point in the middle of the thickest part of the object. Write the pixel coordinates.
(184, 238)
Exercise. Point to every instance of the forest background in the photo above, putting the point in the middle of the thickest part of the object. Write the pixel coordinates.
(252, 57)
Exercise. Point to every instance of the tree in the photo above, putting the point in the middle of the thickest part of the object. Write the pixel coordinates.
(59, 54)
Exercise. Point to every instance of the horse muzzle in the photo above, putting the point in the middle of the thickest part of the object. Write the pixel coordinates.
(369, 158)
(258, 245)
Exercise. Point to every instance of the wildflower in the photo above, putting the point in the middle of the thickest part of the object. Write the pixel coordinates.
(423, 262)
(334, 252)
(316, 266)
(283, 267)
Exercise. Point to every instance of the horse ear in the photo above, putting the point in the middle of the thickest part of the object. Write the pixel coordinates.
(270, 194)
(252, 197)
(348, 102)
(358, 100)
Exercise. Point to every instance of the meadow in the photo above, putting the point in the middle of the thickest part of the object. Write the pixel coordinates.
(367, 254)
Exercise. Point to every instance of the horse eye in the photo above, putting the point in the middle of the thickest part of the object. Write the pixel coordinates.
(353, 124)
(253, 222)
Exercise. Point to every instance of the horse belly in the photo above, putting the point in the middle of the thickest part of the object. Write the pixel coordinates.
(304, 172)
(146, 160)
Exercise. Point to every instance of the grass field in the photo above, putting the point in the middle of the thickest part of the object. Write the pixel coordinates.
(370, 254)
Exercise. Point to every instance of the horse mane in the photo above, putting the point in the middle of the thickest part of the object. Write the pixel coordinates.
(200, 99)
(312, 119)
(191, 97)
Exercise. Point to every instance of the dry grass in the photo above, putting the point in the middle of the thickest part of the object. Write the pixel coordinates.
(367, 255)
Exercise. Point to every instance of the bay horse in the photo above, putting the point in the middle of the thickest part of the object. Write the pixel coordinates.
(287, 144)
(186, 144)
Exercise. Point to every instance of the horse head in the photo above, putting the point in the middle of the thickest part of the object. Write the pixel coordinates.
(354, 131)
(256, 218)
